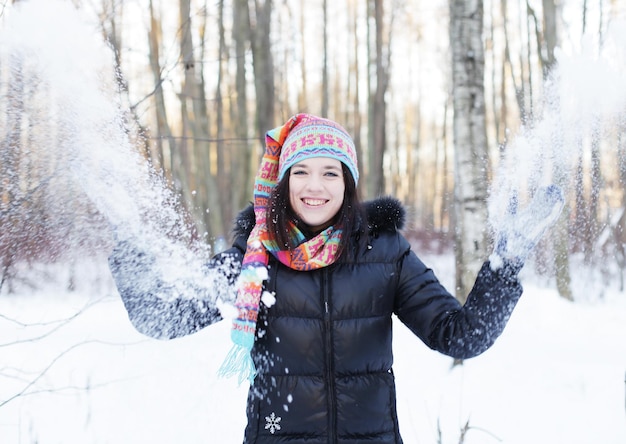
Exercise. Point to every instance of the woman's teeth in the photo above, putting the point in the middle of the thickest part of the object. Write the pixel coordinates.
(314, 202)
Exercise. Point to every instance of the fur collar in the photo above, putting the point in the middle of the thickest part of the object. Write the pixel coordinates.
(383, 214)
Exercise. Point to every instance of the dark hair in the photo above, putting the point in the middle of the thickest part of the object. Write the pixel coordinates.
(350, 217)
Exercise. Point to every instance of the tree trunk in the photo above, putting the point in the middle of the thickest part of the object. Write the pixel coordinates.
(354, 79)
(225, 175)
(470, 141)
(179, 157)
(10, 220)
(263, 64)
(195, 126)
(303, 96)
(445, 203)
(517, 86)
(163, 134)
(325, 81)
(621, 156)
(245, 158)
(562, 269)
(581, 214)
(594, 223)
(561, 238)
(377, 104)
(550, 36)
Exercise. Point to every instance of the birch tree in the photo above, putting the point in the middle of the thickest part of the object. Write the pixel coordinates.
(561, 238)
(470, 141)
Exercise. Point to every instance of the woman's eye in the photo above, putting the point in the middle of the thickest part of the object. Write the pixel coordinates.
(298, 172)
(332, 174)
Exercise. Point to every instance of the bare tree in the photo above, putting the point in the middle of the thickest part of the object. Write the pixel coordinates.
(325, 81)
(164, 139)
(379, 60)
(518, 85)
(550, 35)
(621, 160)
(470, 141)
(353, 87)
(561, 239)
(263, 65)
(224, 172)
(10, 159)
(244, 160)
(195, 146)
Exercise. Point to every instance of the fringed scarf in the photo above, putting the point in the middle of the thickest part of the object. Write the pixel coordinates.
(317, 252)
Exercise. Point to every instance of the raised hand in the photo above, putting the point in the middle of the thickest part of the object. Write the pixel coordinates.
(520, 231)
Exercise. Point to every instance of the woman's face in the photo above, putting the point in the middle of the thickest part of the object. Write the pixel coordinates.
(316, 190)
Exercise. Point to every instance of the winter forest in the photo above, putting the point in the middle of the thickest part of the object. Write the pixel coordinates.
(147, 117)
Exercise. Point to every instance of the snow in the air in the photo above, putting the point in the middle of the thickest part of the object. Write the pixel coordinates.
(73, 370)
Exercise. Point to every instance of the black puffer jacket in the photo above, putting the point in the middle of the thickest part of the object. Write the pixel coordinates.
(323, 349)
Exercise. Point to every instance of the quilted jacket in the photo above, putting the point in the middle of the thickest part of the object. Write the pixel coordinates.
(323, 350)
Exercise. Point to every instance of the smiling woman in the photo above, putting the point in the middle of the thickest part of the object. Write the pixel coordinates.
(318, 276)
(316, 188)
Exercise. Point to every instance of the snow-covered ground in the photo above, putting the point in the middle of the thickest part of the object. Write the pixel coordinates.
(74, 371)
(557, 375)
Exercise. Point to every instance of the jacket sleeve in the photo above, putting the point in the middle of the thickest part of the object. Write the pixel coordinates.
(166, 310)
(436, 316)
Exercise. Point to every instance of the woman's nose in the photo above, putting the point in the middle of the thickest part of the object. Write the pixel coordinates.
(314, 182)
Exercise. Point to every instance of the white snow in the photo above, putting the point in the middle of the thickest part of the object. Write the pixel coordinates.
(261, 273)
(227, 310)
(268, 299)
(555, 376)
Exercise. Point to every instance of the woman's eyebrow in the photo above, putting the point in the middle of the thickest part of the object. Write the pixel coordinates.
(332, 167)
(326, 167)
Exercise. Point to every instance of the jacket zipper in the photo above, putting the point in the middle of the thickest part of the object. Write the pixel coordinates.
(332, 414)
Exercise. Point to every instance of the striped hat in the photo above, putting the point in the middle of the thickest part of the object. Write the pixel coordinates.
(315, 136)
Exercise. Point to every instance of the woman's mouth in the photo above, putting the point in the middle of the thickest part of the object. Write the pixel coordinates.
(314, 202)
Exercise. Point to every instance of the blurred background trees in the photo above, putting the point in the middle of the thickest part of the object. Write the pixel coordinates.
(430, 90)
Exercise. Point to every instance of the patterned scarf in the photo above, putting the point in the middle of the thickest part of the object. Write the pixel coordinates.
(318, 252)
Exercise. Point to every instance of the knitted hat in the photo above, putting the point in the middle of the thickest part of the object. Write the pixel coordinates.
(313, 137)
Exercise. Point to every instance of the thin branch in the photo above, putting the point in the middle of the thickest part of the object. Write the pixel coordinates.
(208, 139)
(480, 429)
(26, 197)
(60, 323)
(467, 427)
(26, 389)
(77, 387)
(4, 5)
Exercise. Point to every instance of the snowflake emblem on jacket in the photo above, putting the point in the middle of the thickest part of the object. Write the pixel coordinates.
(272, 423)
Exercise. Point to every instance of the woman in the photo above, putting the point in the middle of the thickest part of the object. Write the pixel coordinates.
(319, 276)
